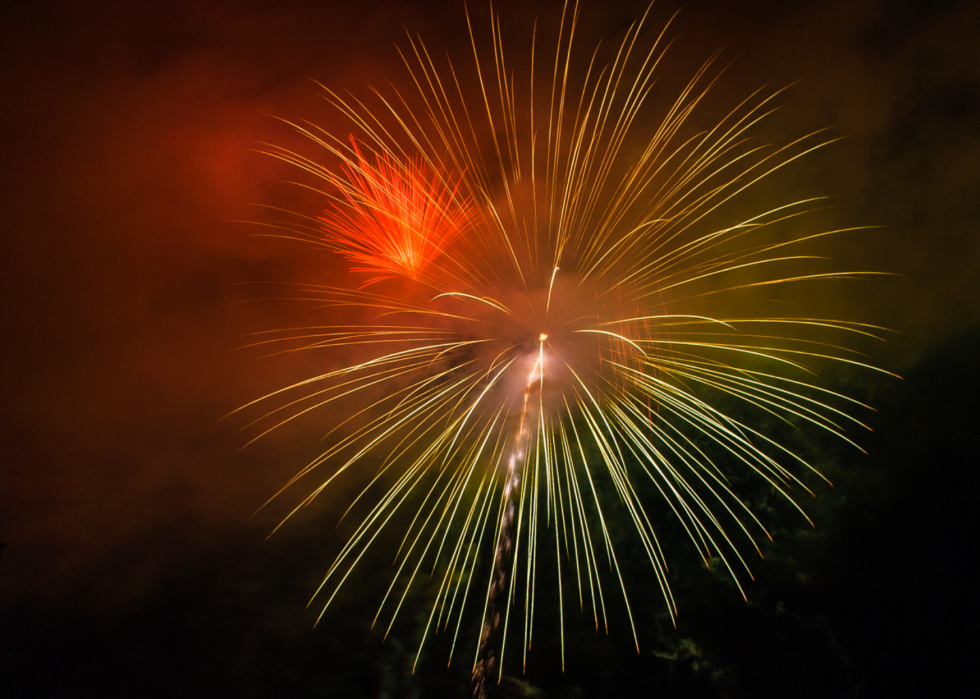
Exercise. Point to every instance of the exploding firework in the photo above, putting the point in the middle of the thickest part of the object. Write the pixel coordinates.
(563, 328)
(397, 219)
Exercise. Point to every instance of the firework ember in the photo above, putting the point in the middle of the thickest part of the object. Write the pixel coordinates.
(563, 328)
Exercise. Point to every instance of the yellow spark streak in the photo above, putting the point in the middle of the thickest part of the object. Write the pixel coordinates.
(551, 287)
(482, 299)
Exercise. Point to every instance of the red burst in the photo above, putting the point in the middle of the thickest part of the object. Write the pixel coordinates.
(398, 218)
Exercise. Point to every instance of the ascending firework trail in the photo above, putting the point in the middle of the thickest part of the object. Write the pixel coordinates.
(505, 538)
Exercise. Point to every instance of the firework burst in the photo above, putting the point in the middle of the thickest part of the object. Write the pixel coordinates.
(565, 328)
(397, 218)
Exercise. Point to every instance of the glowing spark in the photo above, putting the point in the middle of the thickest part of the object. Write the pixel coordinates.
(551, 288)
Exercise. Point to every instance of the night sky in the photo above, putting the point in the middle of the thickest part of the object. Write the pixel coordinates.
(133, 565)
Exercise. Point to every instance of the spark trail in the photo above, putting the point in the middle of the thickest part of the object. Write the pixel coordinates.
(483, 664)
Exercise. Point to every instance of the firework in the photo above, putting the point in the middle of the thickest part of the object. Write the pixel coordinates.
(397, 219)
(563, 327)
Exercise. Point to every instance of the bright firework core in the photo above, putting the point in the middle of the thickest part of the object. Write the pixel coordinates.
(553, 330)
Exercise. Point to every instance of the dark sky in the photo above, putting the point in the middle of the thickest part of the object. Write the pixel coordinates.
(128, 135)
